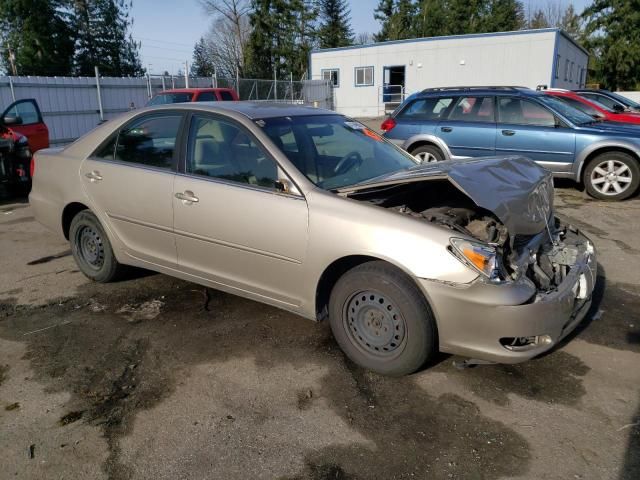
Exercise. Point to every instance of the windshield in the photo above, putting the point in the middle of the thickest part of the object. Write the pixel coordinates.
(164, 98)
(334, 151)
(625, 100)
(567, 111)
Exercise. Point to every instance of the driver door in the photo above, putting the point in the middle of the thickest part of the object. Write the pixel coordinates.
(232, 226)
(31, 125)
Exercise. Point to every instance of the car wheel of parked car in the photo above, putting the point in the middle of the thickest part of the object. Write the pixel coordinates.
(381, 320)
(91, 249)
(428, 153)
(612, 176)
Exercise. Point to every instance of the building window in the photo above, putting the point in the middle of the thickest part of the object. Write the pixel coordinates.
(573, 64)
(558, 66)
(364, 76)
(566, 70)
(332, 74)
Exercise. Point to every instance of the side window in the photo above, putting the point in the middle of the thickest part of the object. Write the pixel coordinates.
(473, 109)
(221, 150)
(206, 97)
(426, 109)
(332, 74)
(524, 112)
(602, 100)
(364, 76)
(26, 110)
(226, 96)
(149, 141)
(107, 151)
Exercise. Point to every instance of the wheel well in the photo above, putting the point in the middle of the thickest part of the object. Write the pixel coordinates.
(331, 275)
(68, 213)
(599, 152)
(421, 143)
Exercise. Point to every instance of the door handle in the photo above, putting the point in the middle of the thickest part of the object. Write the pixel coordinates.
(446, 129)
(187, 197)
(93, 176)
(508, 133)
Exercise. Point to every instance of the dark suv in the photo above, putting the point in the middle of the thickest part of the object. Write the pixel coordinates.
(611, 100)
(443, 123)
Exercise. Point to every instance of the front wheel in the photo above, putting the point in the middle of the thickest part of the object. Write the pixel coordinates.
(612, 176)
(381, 320)
(92, 250)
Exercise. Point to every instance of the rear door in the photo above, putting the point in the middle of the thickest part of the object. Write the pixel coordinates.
(232, 225)
(420, 116)
(129, 180)
(32, 125)
(530, 129)
(470, 127)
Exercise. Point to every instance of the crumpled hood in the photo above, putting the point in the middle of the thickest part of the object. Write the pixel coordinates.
(517, 190)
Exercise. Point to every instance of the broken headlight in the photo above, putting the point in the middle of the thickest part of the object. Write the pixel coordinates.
(479, 256)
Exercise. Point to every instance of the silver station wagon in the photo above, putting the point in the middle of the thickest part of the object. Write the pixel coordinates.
(314, 213)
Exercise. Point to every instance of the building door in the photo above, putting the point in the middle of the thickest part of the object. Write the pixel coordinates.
(393, 81)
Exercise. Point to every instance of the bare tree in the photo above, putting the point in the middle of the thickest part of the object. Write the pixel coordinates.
(363, 38)
(228, 35)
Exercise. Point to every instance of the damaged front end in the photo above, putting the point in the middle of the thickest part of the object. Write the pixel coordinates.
(500, 213)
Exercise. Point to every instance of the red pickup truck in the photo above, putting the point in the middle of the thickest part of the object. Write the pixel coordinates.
(179, 95)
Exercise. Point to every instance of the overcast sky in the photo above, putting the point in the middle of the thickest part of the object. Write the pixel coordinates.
(169, 29)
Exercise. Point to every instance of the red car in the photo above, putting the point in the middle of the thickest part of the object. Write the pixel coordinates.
(22, 132)
(594, 109)
(180, 95)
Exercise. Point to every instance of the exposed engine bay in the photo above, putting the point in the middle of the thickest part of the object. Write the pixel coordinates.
(545, 257)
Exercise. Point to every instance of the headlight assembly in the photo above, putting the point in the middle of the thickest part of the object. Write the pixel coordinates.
(479, 256)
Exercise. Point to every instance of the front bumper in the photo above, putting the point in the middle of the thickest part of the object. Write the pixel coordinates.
(473, 318)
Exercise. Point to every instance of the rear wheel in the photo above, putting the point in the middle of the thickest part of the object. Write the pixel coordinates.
(381, 320)
(92, 250)
(428, 153)
(612, 176)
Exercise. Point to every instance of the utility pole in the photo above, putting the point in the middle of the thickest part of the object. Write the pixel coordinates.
(12, 60)
(186, 74)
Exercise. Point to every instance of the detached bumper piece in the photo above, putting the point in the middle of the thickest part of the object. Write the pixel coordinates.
(513, 322)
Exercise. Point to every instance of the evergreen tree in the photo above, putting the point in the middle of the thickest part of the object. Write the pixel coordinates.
(38, 36)
(503, 16)
(102, 38)
(202, 65)
(306, 15)
(335, 24)
(614, 38)
(572, 23)
(384, 13)
(260, 51)
(402, 20)
(431, 18)
(539, 20)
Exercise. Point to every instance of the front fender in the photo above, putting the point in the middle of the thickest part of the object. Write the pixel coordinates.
(609, 144)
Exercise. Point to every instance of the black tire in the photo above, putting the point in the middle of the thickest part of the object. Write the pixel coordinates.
(92, 250)
(431, 153)
(392, 332)
(601, 185)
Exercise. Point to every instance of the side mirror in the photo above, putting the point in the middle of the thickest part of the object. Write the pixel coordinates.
(282, 185)
(617, 108)
(12, 120)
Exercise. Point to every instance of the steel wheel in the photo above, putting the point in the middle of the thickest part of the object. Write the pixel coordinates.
(90, 247)
(374, 324)
(611, 177)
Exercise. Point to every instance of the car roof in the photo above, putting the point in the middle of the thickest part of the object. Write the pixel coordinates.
(480, 90)
(252, 110)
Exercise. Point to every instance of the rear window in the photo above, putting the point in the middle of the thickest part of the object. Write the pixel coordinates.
(165, 98)
(206, 97)
(225, 95)
(425, 109)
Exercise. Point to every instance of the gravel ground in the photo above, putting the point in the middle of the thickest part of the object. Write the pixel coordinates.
(158, 378)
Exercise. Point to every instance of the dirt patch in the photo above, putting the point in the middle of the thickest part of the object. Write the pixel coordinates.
(3, 373)
(116, 368)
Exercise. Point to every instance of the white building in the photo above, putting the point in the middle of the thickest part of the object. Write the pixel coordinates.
(368, 79)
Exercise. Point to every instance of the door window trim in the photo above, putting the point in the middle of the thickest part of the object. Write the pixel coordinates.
(176, 151)
(457, 99)
(182, 164)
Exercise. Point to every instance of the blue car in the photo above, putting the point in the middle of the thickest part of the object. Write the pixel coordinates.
(445, 123)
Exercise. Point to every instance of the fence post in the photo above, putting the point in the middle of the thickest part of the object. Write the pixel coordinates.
(163, 86)
(13, 93)
(186, 74)
(173, 82)
(99, 93)
(275, 83)
(291, 85)
(149, 86)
